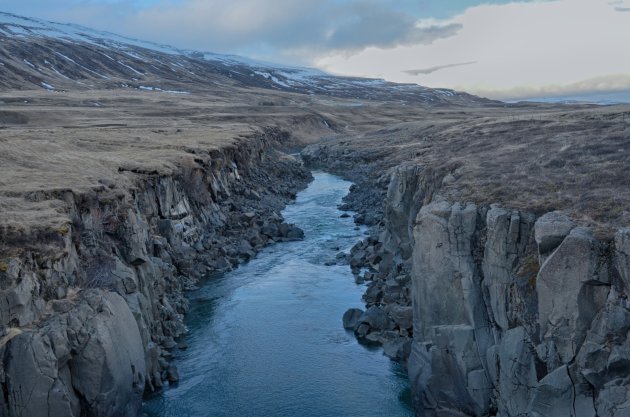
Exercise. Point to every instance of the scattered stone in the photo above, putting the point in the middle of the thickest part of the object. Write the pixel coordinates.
(374, 338)
(294, 233)
(376, 318)
(351, 318)
(172, 374)
(361, 330)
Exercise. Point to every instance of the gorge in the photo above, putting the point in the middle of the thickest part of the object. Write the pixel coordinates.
(142, 184)
(270, 330)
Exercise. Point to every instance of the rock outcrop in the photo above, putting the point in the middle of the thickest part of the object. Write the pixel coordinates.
(88, 320)
(514, 314)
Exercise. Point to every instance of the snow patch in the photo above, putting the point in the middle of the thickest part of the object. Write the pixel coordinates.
(82, 66)
(30, 64)
(131, 68)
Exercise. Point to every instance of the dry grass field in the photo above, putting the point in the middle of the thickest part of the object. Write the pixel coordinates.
(535, 157)
(538, 158)
(52, 143)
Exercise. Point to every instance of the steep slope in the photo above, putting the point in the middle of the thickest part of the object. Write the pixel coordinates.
(40, 54)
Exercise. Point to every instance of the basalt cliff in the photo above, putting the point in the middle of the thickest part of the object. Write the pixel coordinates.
(506, 303)
(91, 310)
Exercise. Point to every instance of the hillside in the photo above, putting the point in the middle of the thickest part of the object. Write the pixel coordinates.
(53, 56)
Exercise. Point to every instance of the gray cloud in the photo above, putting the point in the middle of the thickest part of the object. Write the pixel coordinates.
(430, 70)
(619, 6)
(286, 27)
(301, 30)
(366, 24)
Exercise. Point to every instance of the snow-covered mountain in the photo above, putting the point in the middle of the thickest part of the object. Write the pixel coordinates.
(39, 54)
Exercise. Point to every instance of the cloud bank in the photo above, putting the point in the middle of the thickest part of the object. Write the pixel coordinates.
(521, 50)
(298, 30)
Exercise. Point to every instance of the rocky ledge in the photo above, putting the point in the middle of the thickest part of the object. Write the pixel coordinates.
(92, 311)
(496, 311)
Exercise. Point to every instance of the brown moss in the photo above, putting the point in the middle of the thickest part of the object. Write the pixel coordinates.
(529, 269)
(63, 230)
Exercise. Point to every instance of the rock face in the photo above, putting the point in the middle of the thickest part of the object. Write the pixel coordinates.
(89, 358)
(514, 314)
(86, 327)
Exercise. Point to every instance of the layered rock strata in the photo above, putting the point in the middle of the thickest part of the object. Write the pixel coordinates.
(90, 315)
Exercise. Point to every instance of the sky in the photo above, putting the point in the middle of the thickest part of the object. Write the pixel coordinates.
(500, 49)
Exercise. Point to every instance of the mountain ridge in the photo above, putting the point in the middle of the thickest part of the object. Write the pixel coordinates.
(35, 53)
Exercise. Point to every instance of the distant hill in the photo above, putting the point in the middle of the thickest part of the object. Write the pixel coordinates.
(39, 54)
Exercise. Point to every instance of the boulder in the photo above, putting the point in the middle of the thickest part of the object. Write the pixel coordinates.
(361, 330)
(550, 231)
(172, 374)
(397, 349)
(351, 318)
(402, 315)
(376, 318)
(270, 229)
(295, 233)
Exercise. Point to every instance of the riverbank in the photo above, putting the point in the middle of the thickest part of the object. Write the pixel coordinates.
(94, 298)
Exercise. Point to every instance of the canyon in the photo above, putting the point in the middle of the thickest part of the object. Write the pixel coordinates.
(497, 262)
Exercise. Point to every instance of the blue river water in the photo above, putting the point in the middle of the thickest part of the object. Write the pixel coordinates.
(267, 338)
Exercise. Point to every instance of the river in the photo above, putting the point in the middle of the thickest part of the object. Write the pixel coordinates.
(266, 339)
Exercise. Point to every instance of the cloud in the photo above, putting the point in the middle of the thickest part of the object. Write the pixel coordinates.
(285, 27)
(431, 70)
(272, 28)
(620, 5)
(520, 49)
(366, 24)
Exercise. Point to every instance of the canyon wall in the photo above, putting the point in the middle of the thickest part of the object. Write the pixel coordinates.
(90, 312)
(514, 313)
